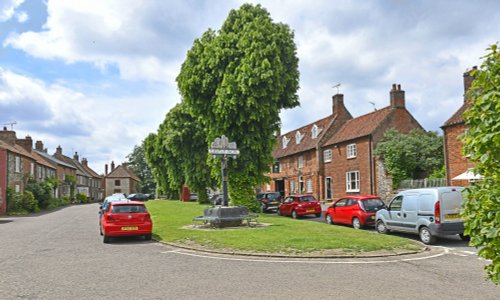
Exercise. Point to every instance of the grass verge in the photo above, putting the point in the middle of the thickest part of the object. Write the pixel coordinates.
(283, 236)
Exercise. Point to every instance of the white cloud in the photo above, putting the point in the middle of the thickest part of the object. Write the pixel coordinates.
(22, 17)
(8, 8)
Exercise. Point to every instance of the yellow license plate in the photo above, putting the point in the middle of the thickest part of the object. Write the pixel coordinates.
(310, 210)
(453, 216)
(130, 228)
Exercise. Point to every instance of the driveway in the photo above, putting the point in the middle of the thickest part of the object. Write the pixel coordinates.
(61, 255)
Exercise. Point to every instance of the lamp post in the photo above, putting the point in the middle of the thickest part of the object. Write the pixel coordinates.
(221, 147)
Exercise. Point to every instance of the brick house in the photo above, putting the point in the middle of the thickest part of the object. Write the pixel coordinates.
(297, 168)
(456, 163)
(95, 182)
(350, 166)
(63, 169)
(120, 180)
(42, 169)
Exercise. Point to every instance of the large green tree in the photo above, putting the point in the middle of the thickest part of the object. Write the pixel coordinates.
(184, 137)
(136, 160)
(236, 81)
(482, 145)
(407, 155)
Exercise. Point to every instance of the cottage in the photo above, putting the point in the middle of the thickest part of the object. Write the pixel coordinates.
(120, 180)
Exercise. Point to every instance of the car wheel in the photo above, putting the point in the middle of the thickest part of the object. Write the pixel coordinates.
(329, 219)
(148, 237)
(278, 211)
(106, 239)
(464, 237)
(426, 236)
(381, 228)
(294, 214)
(356, 223)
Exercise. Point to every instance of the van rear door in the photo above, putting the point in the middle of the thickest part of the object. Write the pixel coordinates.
(451, 203)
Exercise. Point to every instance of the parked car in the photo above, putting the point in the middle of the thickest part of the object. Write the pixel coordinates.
(126, 218)
(193, 197)
(107, 200)
(138, 197)
(358, 211)
(299, 205)
(269, 201)
(429, 212)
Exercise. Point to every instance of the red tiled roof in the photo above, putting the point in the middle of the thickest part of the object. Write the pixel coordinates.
(122, 172)
(361, 126)
(306, 143)
(90, 171)
(41, 161)
(457, 117)
(16, 149)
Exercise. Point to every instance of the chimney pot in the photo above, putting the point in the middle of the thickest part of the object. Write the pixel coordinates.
(39, 145)
(76, 157)
(112, 166)
(397, 96)
(106, 169)
(59, 150)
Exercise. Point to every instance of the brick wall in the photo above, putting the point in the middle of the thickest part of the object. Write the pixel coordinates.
(3, 181)
(456, 163)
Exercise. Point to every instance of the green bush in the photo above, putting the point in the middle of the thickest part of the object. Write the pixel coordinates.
(81, 198)
(14, 203)
(29, 202)
(66, 200)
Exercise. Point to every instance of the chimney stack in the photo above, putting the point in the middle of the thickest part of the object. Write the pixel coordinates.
(8, 136)
(85, 162)
(397, 96)
(468, 78)
(76, 157)
(26, 143)
(105, 169)
(59, 150)
(39, 145)
(337, 104)
(112, 166)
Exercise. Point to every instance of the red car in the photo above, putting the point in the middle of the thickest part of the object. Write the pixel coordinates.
(357, 211)
(126, 218)
(299, 205)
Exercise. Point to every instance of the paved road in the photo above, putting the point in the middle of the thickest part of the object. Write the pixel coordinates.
(60, 255)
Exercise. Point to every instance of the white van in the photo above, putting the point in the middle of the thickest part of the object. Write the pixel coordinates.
(430, 212)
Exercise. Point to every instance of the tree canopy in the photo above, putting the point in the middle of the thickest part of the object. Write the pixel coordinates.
(235, 82)
(408, 155)
(482, 145)
(136, 160)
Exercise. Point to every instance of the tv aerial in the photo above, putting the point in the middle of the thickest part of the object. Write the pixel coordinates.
(373, 103)
(337, 86)
(11, 125)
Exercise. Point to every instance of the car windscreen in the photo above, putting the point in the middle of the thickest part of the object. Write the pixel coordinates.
(306, 199)
(128, 209)
(372, 205)
(273, 196)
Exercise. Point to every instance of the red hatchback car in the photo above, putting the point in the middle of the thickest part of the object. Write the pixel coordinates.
(299, 205)
(126, 218)
(357, 211)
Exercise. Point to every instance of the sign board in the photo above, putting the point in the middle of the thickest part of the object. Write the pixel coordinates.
(223, 151)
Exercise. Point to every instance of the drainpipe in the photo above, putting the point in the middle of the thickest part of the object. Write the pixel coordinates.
(370, 160)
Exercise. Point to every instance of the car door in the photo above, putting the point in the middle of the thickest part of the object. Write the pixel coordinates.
(286, 207)
(395, 221)
(339, 211)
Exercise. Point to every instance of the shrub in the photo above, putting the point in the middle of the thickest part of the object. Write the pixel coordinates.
(29, 202)
(81, 198)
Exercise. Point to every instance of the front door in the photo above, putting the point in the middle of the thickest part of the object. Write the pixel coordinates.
(328, 188)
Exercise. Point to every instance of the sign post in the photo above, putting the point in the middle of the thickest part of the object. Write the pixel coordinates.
(221, 147)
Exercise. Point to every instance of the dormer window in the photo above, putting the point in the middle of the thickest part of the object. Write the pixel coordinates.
(298, 137)
(285, 142)
(314, 131)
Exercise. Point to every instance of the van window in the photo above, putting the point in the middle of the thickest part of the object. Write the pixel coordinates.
(396, 203)
(426, 203)
(410, 203)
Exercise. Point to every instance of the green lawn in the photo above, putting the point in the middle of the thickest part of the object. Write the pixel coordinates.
(283, 236)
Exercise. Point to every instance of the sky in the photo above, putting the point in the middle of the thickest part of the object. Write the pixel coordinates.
(97, 76)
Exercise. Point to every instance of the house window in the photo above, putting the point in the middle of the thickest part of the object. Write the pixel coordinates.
(39, 171)
(351, 151)
(328, 188)
(314, 131)
(309, 185)
(298, 137)
(352, 181)
(268, 187)
(276, 167)
(327, 155)
(300, 162)
(117, 182)
(32, 169)
(18, 164)
(285, 142)
(116, 191)
(301, 184)
(292, 187)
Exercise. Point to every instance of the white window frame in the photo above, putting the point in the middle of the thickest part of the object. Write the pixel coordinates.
(292, 187)
(18, 164)
(17, 188)
(309, 185)
(351, 151)
(300, 162)
(327, 155)
(352, 183)
(298, 137)
(314, 131)
(32, 169)
(285, 141)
